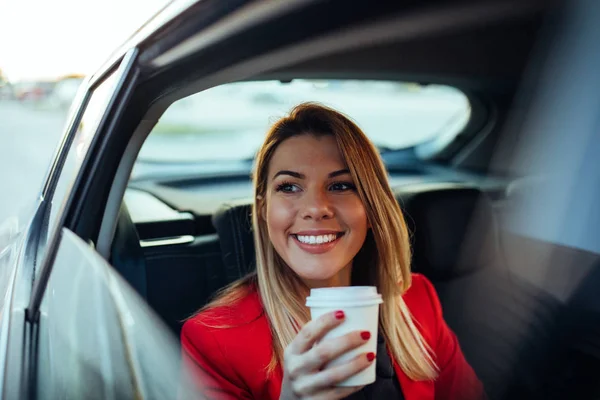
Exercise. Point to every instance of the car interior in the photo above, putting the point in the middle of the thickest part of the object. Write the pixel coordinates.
(179, 239)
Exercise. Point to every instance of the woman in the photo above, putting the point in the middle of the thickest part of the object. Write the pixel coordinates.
(323, 215)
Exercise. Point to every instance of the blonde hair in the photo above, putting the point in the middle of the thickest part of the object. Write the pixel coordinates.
(383, 261)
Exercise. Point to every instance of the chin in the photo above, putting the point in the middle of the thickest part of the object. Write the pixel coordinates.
(316, 273)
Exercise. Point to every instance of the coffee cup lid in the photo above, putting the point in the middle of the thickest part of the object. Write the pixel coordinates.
(346, 296)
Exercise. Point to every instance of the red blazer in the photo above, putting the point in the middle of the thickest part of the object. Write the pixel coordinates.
(232, 361)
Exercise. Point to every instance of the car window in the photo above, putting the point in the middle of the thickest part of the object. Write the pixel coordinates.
(82, 139)
(97, 338)
(202, 128)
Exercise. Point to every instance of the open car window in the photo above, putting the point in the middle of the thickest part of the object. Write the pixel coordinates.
(221, 128)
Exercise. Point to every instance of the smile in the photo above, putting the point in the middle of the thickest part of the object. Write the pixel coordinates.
(317, 244)
(316, 239)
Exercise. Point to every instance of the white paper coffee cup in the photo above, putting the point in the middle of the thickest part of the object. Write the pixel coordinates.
(360, 305)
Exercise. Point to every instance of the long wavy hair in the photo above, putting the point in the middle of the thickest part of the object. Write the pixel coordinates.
(383, 261)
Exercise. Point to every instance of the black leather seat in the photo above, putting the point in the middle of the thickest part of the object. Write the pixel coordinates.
(175, 280)
(453, 229)
(456, 245)
(233, 223)
(567, 364)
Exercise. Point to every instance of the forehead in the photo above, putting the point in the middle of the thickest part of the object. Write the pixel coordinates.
(307, 152)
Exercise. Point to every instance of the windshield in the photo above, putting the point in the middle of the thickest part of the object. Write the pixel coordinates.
(229, 122)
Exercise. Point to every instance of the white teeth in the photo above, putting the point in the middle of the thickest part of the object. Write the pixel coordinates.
(316, 239)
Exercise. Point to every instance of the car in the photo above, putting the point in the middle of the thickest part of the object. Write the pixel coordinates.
(6, 90)
(32, 90)
(484, 112)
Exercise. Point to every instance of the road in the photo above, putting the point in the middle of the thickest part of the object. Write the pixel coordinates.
(28, 139)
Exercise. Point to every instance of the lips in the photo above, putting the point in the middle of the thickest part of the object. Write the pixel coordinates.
(317, 242)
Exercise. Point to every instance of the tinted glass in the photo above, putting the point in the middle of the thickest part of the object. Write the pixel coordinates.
(98, 339)
(86, 130)
(94, 112)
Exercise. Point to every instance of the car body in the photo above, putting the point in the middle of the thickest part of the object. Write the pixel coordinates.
(81, 318)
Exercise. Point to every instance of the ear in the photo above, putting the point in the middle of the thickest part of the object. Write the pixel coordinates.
(262, 211)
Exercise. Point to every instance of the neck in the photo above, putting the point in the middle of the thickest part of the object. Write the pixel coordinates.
(342, 278)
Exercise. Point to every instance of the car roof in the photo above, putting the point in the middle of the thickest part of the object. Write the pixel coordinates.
(465, 43)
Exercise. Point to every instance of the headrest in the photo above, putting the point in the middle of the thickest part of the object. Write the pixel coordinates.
(233, 223)
(453, 229)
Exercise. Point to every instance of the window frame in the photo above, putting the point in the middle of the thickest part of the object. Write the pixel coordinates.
(120, 70)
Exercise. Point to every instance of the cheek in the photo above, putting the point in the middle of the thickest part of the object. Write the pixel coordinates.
(280, 217)
(355, 216)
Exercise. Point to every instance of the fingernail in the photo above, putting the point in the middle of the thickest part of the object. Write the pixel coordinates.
(365, 335)
(339, 314)
(370, 356)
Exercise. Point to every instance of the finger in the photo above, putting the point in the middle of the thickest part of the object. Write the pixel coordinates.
(324, 380)
(336, 393)
(314, 331)
(328, 350)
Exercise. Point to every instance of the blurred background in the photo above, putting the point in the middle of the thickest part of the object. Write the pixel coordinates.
(550, 219)
(46, 50)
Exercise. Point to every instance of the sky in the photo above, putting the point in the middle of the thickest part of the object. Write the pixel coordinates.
(46, 39)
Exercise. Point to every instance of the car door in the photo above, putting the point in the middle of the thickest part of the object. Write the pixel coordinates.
(78, 330)
(96, 338)
(72, 328)
(25, 324)
(83, 332)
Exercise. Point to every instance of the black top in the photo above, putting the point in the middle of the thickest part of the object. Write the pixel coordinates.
(386, 385)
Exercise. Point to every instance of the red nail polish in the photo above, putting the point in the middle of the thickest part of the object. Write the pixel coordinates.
(365, 335)
(339, 314)
(370, 356)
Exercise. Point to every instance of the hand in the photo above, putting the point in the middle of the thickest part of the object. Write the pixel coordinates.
(303, 376)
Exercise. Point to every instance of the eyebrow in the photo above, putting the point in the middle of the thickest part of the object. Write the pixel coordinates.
(302, 176)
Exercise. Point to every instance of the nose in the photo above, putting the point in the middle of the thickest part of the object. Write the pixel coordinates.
(316, 206)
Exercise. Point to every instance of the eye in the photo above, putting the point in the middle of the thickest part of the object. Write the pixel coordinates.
(287, 187)
(342, 186)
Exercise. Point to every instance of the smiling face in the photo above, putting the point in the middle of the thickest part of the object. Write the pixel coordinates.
(315, 219)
